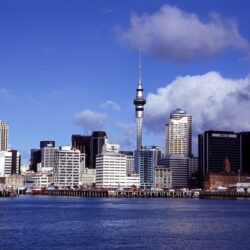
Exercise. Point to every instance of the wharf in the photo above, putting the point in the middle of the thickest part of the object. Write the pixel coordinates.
(7, 193)
(119, 194)
(224, 194)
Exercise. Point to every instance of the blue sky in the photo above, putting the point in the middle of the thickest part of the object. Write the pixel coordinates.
(71, 66)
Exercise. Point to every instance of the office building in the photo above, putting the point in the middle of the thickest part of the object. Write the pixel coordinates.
(83, 143)
(88, 177)
(179, 166)
(44, 144)
(10, 162)
(162, 177)
(43, 159)
(68, 168)
(35, 159)
(48, 152)
(179, 134)
(245, 152)
(98, 140)
(4, 134)
(146, 159)
(193, 166)
(214, 148)
(111, 169)
(130, 161)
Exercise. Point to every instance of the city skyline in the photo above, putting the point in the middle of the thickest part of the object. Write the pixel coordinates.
(72, 68)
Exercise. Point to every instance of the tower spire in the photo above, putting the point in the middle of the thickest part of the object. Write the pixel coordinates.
(139, 71)
(139, 103)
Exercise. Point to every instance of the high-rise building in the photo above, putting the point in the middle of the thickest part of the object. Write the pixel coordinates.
(43, 159)
(162, 177)
(83, 143)
(179, 134)
(10, 162)
(178, 164)
(130, 162)
(35, 159)
(47, 144)
(4, 134)
(139, 103)
(97, 142)
(111, 169)
(48, 158)
(245, 152)
(214, 148)
(69, 167)
(146, 159)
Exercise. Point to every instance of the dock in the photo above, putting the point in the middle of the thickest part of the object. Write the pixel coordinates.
(119, 194)
(7, 193)
(224, 194)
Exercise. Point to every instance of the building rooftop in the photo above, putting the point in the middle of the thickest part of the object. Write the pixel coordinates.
(178, 111)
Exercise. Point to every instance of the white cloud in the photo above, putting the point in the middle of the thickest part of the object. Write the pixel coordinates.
(129, 129)
(89, 119)
(110, 104)
(129, 135)
(174, 34)
(213, 101)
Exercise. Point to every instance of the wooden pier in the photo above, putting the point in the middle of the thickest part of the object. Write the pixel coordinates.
(119, 194)
(83, 193)
(6, 193)
(224, 194)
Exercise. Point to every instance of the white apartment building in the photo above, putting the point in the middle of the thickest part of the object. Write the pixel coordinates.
(179, 134)
(68, 168)
(4, 134)
(111, 169)
(162, 177)
(9, 163)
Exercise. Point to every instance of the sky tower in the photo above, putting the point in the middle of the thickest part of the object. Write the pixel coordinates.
(139, 103)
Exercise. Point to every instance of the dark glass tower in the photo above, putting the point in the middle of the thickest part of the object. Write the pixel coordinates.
(44, 144)
(83, 143)
(245, 152)
(98, 140)
(214, 148)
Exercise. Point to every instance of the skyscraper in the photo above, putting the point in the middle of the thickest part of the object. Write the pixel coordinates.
(179, 134)
(10, 162)
(69, 166)
(90, 145)
(244, 152)
(214, 148)
(145, 161)
(139, 103)
(98, 140)
(83, 143)
(4, 133)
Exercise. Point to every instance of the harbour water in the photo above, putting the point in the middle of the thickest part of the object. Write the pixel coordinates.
(48, 222)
